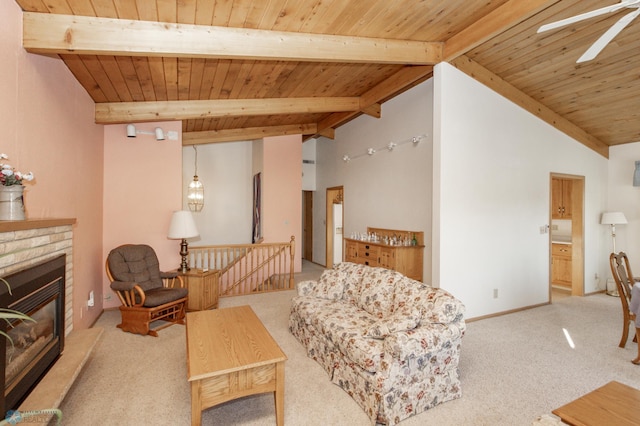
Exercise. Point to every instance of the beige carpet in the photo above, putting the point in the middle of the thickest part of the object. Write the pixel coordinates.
(514, 368)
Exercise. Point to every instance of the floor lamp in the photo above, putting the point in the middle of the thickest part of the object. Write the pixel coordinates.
(612, 219)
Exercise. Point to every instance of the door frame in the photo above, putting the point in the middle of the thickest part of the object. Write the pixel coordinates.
(577, 232)
(334, 195)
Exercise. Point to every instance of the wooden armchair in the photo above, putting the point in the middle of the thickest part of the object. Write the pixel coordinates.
(624, 282)
(146, 293)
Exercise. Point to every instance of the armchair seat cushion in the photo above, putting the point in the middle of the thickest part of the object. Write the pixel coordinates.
(160, 296)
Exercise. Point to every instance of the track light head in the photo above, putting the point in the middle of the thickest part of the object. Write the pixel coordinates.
(159, 134)
(131, 131)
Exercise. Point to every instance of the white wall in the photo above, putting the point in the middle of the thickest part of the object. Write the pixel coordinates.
(492, 162)
(225, 170)
(309, 168)
(625, 197)
(387, 189)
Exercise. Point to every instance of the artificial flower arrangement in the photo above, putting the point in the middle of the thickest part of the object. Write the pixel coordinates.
(10, 176)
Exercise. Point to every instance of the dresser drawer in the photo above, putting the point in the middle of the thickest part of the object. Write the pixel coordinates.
(561, 250)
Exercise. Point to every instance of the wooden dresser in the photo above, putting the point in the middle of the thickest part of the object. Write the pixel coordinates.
(408, 260)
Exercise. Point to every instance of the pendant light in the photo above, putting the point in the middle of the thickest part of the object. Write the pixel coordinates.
(195, 192)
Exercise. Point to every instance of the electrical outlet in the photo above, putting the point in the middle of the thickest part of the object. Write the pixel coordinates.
(495, 293)
(91, 301)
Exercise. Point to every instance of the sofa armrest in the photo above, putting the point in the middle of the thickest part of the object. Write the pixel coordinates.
(423, 339)
(306, 288)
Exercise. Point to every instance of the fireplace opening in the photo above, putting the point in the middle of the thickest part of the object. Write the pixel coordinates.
(37, 291)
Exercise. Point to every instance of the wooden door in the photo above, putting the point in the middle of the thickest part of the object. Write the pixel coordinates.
(307, 226)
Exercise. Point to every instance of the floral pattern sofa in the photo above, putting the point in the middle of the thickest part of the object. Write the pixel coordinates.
(390, 342)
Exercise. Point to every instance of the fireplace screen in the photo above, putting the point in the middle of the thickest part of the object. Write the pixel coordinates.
(30, 341)
(37, 291)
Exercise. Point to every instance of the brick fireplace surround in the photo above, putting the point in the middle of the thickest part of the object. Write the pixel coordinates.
(25, 243)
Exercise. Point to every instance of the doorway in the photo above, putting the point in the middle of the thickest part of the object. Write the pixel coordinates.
(566, 236)
(335, 220)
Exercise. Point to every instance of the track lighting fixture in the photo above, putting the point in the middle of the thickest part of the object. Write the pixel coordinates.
(158, 133)
(391, 146)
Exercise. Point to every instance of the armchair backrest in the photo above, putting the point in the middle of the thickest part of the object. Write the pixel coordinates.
(135, 263)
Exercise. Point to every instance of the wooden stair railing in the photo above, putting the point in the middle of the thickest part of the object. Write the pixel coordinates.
(247, 268)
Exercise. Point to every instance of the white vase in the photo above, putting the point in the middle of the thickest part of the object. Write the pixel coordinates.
(11, 202)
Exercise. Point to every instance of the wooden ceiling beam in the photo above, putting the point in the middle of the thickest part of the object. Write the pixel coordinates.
(494, 82)
(406, 77)
(499, 20)
(49, 33)
(246, 134)
(132, 112)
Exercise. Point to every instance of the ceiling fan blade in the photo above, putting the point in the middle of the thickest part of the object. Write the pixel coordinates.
(586, 15)
(605, 38)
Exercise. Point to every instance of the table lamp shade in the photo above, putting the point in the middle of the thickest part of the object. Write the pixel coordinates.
(182, 226)
(613, 218)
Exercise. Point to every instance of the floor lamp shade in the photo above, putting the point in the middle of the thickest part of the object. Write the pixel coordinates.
(182, 227)
(613, 219)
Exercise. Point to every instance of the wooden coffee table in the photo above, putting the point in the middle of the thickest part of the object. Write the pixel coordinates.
(612, 404)
(230, 354)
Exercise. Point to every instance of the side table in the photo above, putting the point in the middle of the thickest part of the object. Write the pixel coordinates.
(203, 289)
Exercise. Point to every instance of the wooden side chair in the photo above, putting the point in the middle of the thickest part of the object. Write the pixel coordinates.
(624, 279)
(146, 293)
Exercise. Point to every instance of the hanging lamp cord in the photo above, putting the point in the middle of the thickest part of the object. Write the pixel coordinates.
(196, 160)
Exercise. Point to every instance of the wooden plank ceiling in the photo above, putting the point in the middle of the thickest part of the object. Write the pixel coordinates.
(244, 69)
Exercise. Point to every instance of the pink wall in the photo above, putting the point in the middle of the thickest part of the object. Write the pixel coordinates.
(120, 190)
(142, 188)
(47, 122)
(281, 191)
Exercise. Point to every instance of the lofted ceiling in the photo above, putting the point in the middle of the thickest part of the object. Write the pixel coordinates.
(244, 69)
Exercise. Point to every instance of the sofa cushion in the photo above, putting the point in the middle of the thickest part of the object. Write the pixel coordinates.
(344, 325)
(352, 283)
(399, 321)
(377, 291)
(409, 294)
(307, 308)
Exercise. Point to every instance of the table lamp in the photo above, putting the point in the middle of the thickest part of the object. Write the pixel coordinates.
(182, 227)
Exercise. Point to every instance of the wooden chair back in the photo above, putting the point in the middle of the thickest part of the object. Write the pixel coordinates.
(622, 275)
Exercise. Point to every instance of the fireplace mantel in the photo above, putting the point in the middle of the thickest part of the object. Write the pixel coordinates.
(21, 225)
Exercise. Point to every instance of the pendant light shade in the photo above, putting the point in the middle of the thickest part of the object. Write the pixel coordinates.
(195, 195)
(195, 191)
